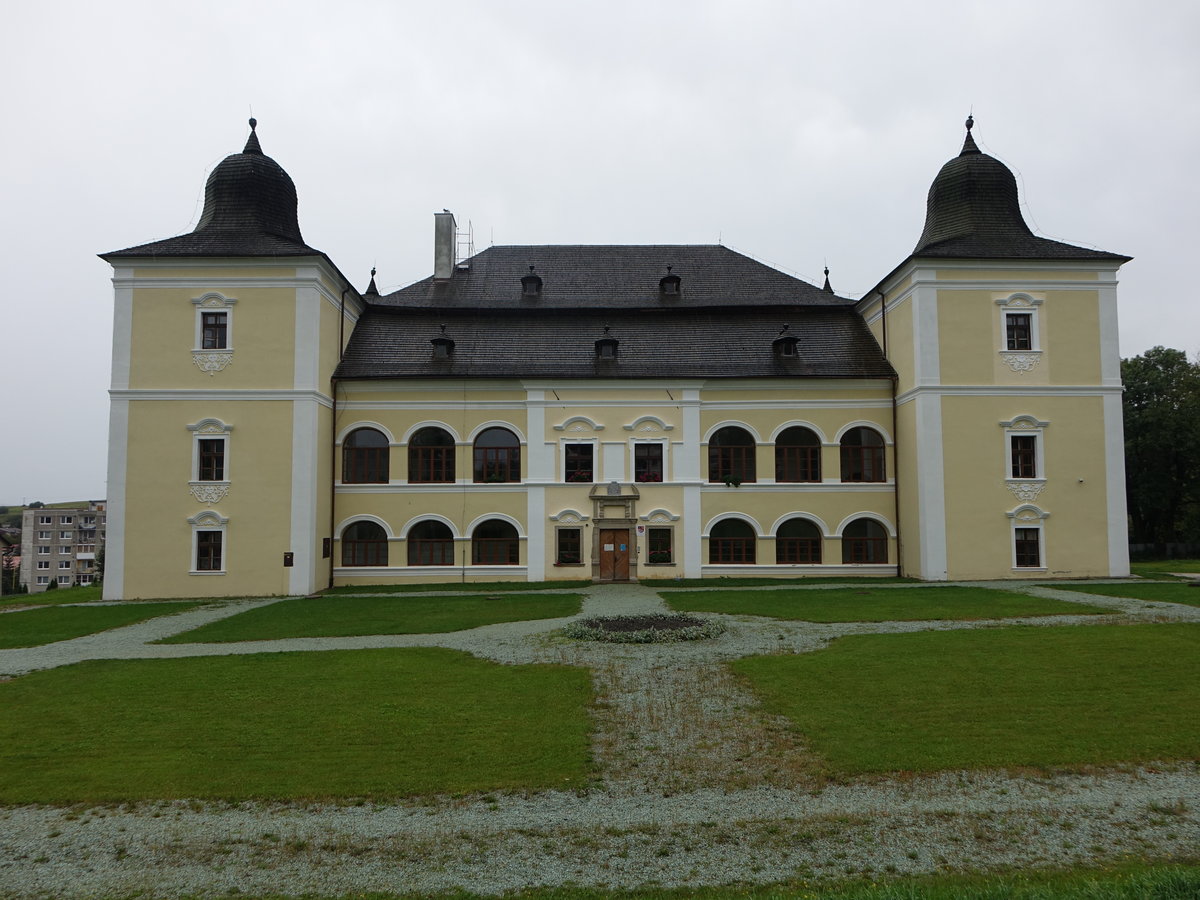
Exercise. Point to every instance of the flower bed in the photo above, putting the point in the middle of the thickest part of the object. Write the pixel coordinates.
(663, 628)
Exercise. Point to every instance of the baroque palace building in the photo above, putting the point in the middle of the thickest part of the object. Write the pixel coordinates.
(613, 412)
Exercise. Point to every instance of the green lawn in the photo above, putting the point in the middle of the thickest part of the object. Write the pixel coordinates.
(1033, 696)
(1159, 568)
(47, 624)
(865, 604)
(458, 587)
(1175, 592)
(364, 723)
(724, 581)
(84, 594)
(346, 616)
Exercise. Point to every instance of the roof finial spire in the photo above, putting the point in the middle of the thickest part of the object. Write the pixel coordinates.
(372, 290)
(252, 145)
(827, 288)
(969, 143)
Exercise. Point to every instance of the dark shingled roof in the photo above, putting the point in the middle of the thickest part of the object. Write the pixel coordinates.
(611, 277)
(972, 212)
(395, 342)
(249, 210)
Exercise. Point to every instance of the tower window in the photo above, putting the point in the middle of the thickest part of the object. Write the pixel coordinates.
(214, 330)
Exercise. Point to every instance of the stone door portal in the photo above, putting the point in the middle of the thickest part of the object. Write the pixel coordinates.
(614, 554)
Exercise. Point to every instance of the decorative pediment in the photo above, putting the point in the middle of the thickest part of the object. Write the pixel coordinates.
(578, 425)
(210, 426)
(569, 517)
(208, 519)
(1028, 513)
(659, 517)
(1018, 301)
(214, 300)
(648, 425)
(1025, 421)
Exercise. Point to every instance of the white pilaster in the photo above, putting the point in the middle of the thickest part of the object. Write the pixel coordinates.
(114, 539)
(931, 485)
(535, 544)
(1114, 476)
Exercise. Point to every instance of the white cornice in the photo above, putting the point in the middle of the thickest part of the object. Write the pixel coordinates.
(224, 395)
(1016, 390)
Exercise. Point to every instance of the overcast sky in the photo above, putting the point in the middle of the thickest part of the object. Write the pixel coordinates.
(800, 133)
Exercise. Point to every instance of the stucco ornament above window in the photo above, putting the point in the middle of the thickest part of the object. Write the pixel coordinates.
(213, 361)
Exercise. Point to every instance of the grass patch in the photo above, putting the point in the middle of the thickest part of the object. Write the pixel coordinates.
(767, 582)
(991, 698)
(1175, 592)
(47, 624)
(880, 605)
(347, 616)
(81, 594)
(1132, 881)
(364, 723)
(490, 587)
(1161, 568)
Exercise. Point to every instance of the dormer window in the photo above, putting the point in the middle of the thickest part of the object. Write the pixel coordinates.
(606, 347)
(443, 346)
(669, 284)
(785, 344)
(531, 284)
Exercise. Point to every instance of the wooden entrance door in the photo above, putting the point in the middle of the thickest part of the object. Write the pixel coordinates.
(614, 554)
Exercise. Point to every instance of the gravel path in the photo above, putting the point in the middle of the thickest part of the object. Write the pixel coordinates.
(697, 787)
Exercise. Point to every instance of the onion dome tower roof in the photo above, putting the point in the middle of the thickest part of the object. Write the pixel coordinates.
(973, 212)
(249, 210)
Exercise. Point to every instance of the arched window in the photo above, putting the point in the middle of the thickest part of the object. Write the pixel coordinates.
(365, 457)
(731, 455)
(430, 543)
(797, 456)
(863, 455)
(431, 457)
(495, 543)
(497, 456)
(798, 541)
(864, 541)
(364, 544)
(731, 541)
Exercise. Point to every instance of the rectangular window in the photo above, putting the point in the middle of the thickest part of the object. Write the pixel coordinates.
(64, 535)
(44, 535)
(64, 564)
(648, 463)
(208, 551)
(214, 330)
(88, 520)
(85, 579)
(1029, 550)
(65, 520)
(64, 579)
(45, 520)
(578, 462)
(1024, 455)
(64, 551)
(659, 546)
(43, 579)
(43, 563)
(569, 544)
(1018, 331)
(212, 459)
(43, 550)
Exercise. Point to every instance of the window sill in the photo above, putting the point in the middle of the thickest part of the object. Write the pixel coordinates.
(577, 565)
(650, 565)
(205, 572)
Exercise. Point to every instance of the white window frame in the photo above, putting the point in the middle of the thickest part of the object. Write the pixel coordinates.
(208, 303)
(64, 579)
(43, 563)
(663, 442)
(64, 551)
(43, 579)
(562, 458)
(1021, 304)
(88, 520)
(65, 535)
(43, 550)
(208, 521)
(45, 520)
(45, 535)
(1028, 516)
(66, 520)
(1025, 426)
(64, 564)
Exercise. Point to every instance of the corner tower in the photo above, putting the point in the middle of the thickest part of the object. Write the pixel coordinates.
(224, 343)
(1008, 399)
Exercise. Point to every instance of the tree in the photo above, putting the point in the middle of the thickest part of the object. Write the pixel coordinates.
(1162, 447)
